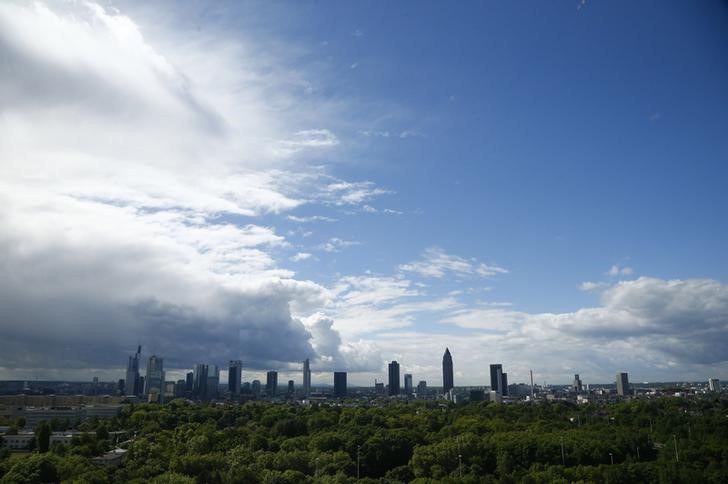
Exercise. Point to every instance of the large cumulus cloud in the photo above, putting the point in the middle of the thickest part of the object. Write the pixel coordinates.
(131, 179)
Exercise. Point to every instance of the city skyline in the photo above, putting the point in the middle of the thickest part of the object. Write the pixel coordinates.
(534, 185)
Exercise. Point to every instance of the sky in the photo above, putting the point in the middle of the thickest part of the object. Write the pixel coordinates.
(536, 184)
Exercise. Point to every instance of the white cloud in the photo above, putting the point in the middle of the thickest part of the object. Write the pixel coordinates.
(336, 244)
(589, 286)
(309, 138)
(641, 323)
(617, 270)
(124, 164)
(376, 134)
(352, 193)
(436, 262)
(410, 133)
(314, 218)
(301, 256)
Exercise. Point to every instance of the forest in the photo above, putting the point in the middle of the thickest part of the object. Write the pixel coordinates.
(663, 440)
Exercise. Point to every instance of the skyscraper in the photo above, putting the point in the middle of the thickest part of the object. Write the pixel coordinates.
(421, 388)
(131, 382)
(271, 383)
(306, 377)
(154, 382)
(622, 384)
(496, 378)
(447, 373)
(255, 388)
(576, 386)
(213, 381)
(504, 384)
(394, 378)
(714, 385)
(235, 373)
(291, 387)
(189, 382)
(408, 384)
(199, 381)
(340, 384)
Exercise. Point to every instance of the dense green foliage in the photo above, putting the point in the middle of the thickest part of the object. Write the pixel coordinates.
(399, 442)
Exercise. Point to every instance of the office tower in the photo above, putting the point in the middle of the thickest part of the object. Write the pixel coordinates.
(306, 377)
(378, 388)
(408, 384)
(180, 388)
(271, 383)
(154, 381)
(622, 384)
(504, 384)
(213, 381)
(199, 382)
(421, 388)
(246, 389)
(189, 381)
(131, 382)
(291, 387)
(447, 373)
(235, 374)
(394, 378)
(496, 378)
(576, 386)
(255, 388)
(714, 385)
(340, 384)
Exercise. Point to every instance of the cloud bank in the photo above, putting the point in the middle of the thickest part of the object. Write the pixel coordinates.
(130, 184)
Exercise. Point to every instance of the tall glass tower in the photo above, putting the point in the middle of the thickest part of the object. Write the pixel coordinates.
(394, 378)
(447, 373)
(306, 378)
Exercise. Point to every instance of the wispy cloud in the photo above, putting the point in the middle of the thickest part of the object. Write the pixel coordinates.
(306, 139)
(301, 256)
(313, 218)
(435, 262)
(352, 193)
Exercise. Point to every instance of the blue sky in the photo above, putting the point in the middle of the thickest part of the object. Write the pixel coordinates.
(539, 184)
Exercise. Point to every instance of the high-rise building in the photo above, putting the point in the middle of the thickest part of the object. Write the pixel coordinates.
(714, 385)
(421, 388)
(394, 378)
(271, 383)
(306, 377)
(131, 382)
(447, 372)
(576, 386)
(340, 384)
(496, 378)
(213, 381)
(189, 382)
(378, 388)
(199, 381)
(154, 381)
(622, 384)
(235, 374)
(255, 388)
(291, 387)
(408, 384)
